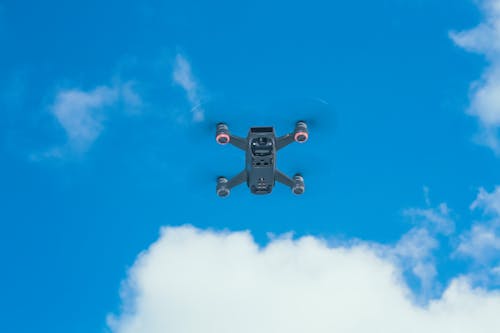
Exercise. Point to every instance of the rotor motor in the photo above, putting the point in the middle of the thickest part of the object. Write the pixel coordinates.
(299, 186)
(301, 134)
(221, 188)
(222, 134)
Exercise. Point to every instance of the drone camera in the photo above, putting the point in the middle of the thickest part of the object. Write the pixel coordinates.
(299, 186)
(222, 134)
(301, 133)
(222, 189)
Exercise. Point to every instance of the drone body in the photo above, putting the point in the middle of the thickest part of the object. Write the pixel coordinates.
(260, 145)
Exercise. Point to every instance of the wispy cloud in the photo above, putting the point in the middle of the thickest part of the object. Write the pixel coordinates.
(415, 250)
(482, 242)
(82, 115)
(184, 77)
(488, 201)
(226, 283)
(436, 219)
(485, 93)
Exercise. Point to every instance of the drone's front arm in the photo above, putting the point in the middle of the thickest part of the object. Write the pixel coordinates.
(223, 137)
(284, 140)
(300, 135)
(238, 142)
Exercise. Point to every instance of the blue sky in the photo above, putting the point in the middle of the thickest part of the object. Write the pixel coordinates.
(99, 149)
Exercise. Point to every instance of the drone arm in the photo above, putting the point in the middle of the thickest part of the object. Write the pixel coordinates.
(238, 142)
(237, 180)
(223, 137)
(300, 135)
(284, 140)
(284, 179)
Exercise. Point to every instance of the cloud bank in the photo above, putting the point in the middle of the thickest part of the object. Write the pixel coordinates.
(192, 280)
(485, 93)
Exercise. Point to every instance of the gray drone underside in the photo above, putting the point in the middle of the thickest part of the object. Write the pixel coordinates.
(260, 146)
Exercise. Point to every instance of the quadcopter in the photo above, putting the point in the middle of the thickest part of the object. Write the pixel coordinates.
(261, 145)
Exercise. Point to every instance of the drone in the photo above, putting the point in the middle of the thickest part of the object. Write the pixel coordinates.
(261, 146)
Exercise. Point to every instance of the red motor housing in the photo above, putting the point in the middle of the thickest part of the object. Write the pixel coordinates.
(222, 135)
(301, 133)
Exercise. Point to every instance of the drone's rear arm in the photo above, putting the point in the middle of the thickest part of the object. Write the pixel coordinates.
(224, 186)
(296, 184)
(237, 180)
(284, 179)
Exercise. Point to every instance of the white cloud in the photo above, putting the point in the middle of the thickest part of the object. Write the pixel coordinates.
(415, 251)
(485, 99)
(202, 281)
(482, 242)
(489, 202)
(184, 77)
(82, 114)
(437, 220)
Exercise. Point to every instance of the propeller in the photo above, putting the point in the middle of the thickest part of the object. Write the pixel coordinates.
(318, 114)
(282, 114)
(237, 117)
